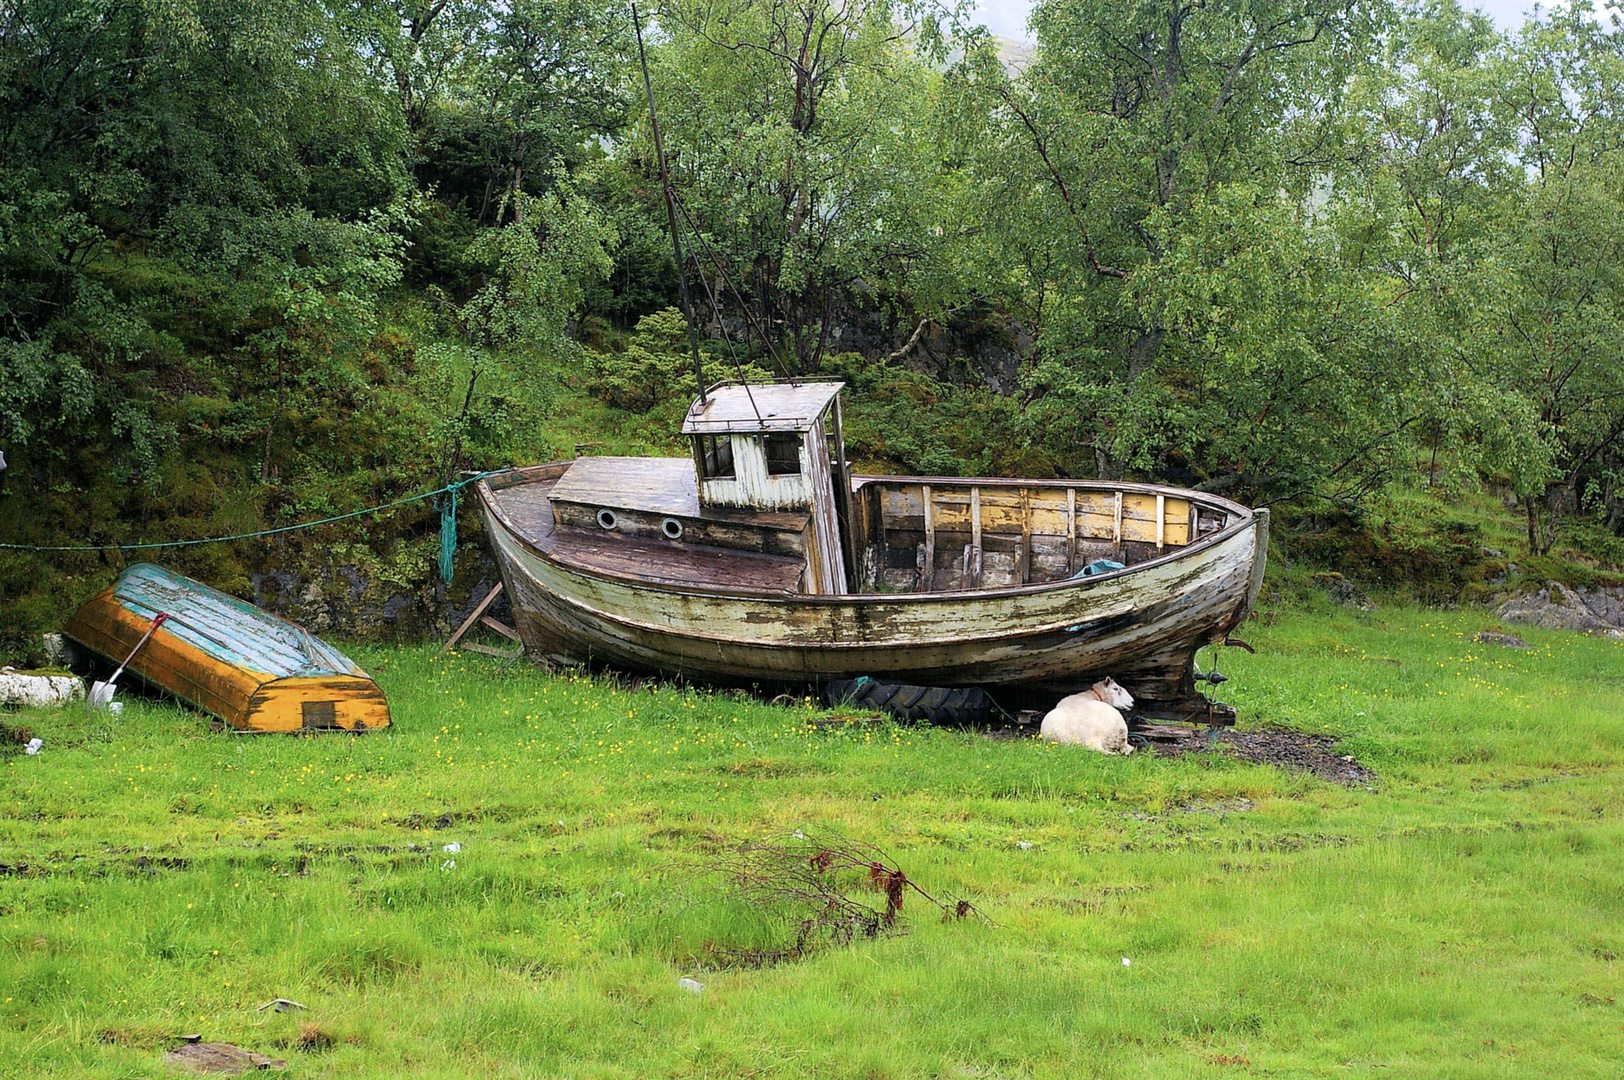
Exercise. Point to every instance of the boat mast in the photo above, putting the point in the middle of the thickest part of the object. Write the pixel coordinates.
(670, 207)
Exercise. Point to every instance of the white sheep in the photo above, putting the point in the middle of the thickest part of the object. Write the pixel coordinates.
(1092, 719)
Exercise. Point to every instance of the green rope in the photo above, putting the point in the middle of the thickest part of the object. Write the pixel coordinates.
(448, 527)
(448, 535)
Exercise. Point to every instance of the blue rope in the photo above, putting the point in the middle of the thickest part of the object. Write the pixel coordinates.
(448, 527)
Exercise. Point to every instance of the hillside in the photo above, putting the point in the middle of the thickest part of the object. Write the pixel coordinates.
(262, 264)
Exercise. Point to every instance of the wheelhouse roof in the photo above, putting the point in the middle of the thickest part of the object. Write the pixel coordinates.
(731, 407)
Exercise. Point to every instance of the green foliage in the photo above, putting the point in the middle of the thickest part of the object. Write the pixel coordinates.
(264, 262)
(802, 148)
(657, 366)
(901, 421)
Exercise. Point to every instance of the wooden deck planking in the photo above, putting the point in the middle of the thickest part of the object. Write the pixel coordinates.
(530, 508)
(655, 485)
(673, 564)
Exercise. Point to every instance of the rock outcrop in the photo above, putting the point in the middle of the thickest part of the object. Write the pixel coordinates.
(1344, 591)
(1558, 607)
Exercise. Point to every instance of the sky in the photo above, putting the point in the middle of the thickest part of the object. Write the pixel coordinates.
(1007, 18)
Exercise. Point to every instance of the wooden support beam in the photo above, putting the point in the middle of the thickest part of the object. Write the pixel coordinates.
(1161, 520)
(1024, 556)
(467, 624)
(928, 575)
(1116, 525)
(975, 536)
(1071, 530)
(505, 654)
(500, 627)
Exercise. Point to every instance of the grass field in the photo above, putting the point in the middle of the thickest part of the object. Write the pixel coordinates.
(1461, 917)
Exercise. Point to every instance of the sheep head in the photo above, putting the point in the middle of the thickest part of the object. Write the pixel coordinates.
(1111, 692)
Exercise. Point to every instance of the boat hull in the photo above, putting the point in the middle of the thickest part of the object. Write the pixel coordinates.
(218, 653)
(1141, 627)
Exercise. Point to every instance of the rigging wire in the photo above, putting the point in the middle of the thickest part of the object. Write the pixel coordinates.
(670, 206)
(447, 508)
(693, 227)
(727, 339)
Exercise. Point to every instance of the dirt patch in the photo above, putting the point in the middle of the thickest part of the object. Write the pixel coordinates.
(1294, 750)
(222, 1058)
(14, 734)
(764, 768)
(425, 821)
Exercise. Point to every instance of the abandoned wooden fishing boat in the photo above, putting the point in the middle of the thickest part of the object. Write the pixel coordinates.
(760, 560)
(255, 671)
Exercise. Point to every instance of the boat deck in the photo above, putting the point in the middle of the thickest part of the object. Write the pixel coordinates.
(912, 534)
(653, 485)
(529, 506)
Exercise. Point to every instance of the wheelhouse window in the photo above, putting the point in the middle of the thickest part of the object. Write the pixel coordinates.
(783, 455)
(716, 456)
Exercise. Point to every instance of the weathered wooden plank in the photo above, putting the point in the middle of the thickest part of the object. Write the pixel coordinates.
(658, 485)
(928, 581)
(654, 562)
(820, 473)
(1024, 556)
(489, 650)
(974, 569)
(758, 407)
(1071, 530)
(473, 616)
(500, 627)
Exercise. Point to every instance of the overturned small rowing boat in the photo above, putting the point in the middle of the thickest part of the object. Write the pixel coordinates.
(252, 669)
(760, 560)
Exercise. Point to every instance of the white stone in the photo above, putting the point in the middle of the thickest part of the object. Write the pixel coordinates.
(39, 691)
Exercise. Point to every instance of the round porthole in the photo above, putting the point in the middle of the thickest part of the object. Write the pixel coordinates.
(672, 529)
(607, 519)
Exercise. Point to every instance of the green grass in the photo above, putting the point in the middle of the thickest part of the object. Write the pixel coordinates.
(1463, 917)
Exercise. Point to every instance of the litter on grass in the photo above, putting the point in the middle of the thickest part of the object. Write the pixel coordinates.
(811, 888)
(280, 1005)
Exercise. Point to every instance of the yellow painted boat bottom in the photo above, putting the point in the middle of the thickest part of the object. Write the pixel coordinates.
(246, 699)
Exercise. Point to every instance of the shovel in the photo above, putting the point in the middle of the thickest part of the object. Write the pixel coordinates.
(101, 693)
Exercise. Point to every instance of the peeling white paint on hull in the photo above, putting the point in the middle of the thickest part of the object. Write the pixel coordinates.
(1141, 626)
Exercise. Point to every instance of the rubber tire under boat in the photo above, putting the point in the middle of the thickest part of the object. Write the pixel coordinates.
(938, 704)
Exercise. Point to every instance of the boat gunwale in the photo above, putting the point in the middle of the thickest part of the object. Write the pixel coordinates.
(1248, 519)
